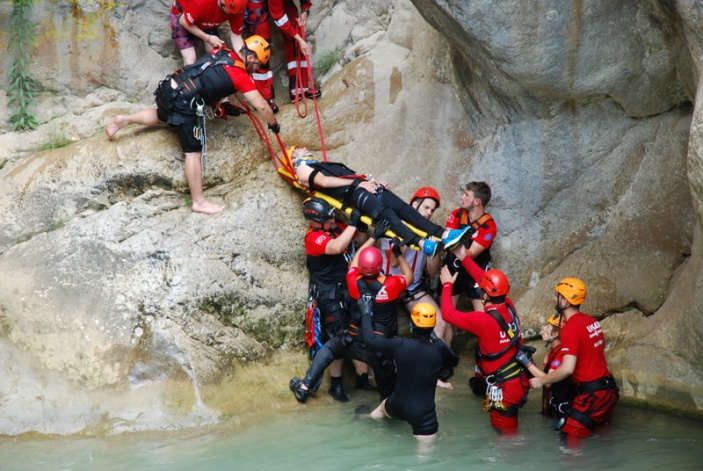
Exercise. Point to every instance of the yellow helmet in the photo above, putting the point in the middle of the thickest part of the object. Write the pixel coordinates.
(556, 319)
(260, 47)
(424, 315)
(573, 289)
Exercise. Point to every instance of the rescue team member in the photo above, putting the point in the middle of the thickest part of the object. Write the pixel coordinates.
(362, 276)
(372, 198)
(181, 97)
(583, 347)
(329, 247)
(365, 277)
(556, 398)
(472, 213)
(201, 19)
(284, 13)
(420, 362)
(500, 356)
(425, 200)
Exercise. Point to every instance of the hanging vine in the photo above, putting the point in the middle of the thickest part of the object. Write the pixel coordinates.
(21, 88)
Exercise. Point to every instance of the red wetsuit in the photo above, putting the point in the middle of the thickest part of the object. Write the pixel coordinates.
(596, 392)
(492, 339)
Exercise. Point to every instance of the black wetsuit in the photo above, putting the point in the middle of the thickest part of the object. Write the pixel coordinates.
(382, 205)
(419, 362)
(350, 346)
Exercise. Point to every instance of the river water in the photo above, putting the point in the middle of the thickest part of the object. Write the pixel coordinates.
(324, 435)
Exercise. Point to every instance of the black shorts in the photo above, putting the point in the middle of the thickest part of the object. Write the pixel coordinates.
(464, 283)
(423, 423)
(334, 310)
(173, 108)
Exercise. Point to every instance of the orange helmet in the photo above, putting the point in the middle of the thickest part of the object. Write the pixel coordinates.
(494, 283)
(370, 261)
(556, 319)
(232, 7)
(258, 46)
(573, 290)
(424, 315)
(426, 192)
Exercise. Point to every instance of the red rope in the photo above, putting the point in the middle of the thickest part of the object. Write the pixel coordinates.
(311, 87)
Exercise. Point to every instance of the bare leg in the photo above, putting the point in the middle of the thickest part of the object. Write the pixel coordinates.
(147, 117)
(360, 367)
(194, 177)
(336, 367)
(188, 55)
(380, 413)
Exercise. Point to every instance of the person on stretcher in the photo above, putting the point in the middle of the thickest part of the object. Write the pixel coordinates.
(373, 198)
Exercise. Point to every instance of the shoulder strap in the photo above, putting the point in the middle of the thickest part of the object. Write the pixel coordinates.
(506, 328)
(482, 221)
(369, 288)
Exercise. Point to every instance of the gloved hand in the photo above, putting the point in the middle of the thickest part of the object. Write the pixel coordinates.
(523, 359)
(366, 305)
(275, 127)
(395, 248)
(230, 109)
(381, 227)
(355, 218)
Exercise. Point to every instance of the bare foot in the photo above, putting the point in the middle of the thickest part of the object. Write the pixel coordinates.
(207, 208)
(114, 126)
(442, 384)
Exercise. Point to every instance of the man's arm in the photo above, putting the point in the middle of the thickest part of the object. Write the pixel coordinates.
(475, 249)
(339, 244)
(433, 265)
(258, 102)
(405, 270)
(195, 30)
(565, 370)
(237, 41)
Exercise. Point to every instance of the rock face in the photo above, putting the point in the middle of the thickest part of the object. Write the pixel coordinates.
(582, 116)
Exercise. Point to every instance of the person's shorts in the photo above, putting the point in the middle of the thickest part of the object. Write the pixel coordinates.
(182, 36)
(423, 423)
(598, 406)
(171, 108)
(464, 283)
(334, 311)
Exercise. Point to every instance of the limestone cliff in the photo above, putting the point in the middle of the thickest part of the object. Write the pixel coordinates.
(583, 116)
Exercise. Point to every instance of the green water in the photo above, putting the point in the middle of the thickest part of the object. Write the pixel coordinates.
(323, 435)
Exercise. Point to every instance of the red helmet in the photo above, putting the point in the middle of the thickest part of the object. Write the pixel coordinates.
(494, 283)
(370, 261)
(426, 192)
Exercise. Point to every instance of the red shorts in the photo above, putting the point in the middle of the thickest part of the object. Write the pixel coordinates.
(598, 406)
(514, 396)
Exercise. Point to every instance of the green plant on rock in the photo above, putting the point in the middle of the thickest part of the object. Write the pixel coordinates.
(326, 61)
(21, 89)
